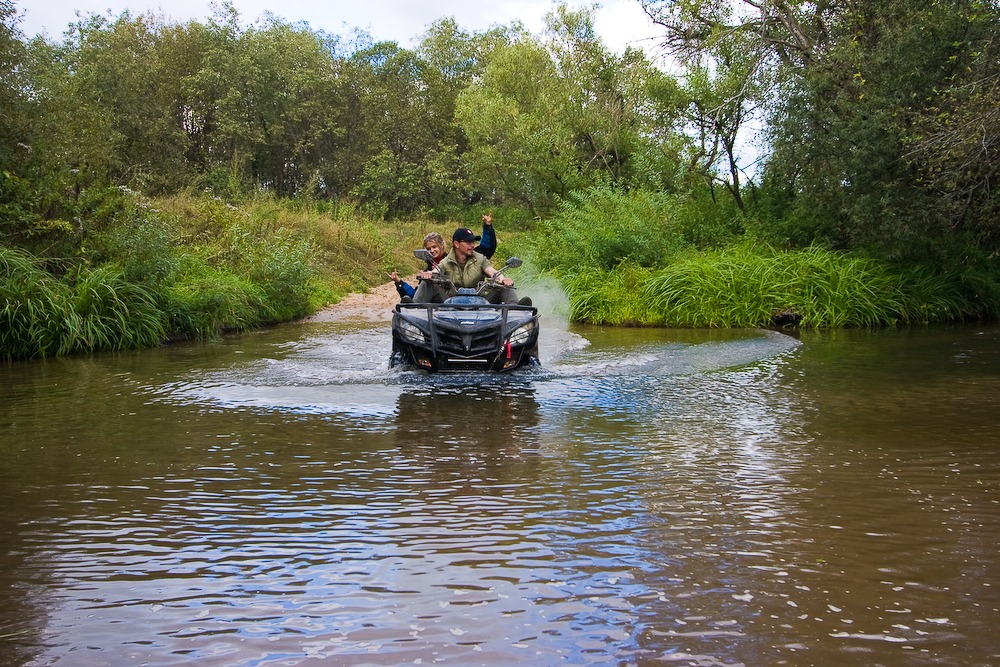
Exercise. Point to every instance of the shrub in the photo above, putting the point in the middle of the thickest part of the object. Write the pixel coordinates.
(207, 300)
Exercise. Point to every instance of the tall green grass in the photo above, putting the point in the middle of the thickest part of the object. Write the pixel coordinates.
(129, 232)
(676, 260)
(276, 262)
(95, 309)
(193, 266)
(143, 275)
(239, 267)
(37, 310)
(610, 297)
(329, 251)
(751, 286)
(115, 314)
(756, 286)
(205, 301)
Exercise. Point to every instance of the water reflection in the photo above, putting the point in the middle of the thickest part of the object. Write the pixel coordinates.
(688, 497)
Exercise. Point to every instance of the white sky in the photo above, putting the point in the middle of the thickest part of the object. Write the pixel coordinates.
(618, 22)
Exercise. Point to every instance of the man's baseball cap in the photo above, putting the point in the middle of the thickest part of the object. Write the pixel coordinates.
(464, 234)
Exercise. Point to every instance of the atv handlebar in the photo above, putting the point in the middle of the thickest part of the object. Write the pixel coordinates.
(490, 283)
(436, 278)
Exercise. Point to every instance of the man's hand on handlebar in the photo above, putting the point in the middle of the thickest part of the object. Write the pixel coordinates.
(433, 276)
(496, 280)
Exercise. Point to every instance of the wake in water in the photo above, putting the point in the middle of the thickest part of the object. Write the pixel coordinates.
(343, 369)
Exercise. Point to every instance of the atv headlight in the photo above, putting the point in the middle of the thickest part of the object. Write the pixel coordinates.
(411, 333)
(522, 334)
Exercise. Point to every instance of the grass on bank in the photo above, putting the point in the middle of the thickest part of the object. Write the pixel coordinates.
(144, 272)
(756, 286)
(193, 266)
(680, 260)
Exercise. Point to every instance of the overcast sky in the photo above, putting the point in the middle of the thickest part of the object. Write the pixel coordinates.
(618, 22)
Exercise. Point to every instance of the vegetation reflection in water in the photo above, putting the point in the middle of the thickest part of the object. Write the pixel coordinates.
(592, 513)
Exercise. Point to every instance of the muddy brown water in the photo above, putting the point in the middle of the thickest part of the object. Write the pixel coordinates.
(646, 497)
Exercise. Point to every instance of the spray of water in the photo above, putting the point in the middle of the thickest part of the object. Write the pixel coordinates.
(555, 338)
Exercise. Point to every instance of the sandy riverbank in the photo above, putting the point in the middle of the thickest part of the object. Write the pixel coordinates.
(373, 306)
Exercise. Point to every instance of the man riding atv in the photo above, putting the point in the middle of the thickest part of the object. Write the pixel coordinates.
(464, 267)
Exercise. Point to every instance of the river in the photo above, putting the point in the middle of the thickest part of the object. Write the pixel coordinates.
(645, 497)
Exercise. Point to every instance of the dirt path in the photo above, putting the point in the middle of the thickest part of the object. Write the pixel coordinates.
(374, 306)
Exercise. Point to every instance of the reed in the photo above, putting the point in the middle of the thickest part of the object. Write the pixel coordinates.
(749, 286)
(115, 314)
(37, 312)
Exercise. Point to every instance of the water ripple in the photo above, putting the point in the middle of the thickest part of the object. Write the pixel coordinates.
(705, 501)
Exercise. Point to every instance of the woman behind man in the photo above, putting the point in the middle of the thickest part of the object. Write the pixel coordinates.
(434, 244)
(464, 267)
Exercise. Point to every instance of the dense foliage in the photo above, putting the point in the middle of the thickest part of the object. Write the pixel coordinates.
(162, 179)
(882, 116)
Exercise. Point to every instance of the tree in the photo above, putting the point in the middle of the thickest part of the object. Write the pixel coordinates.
(547, 118)
(852, 88)
(956, 140)
(511, 118)
(117, 91)
(261, 101)
(399, 126)
(12, 102)
(18, 197)
(715, 102)
(845, 138)
(733, 54)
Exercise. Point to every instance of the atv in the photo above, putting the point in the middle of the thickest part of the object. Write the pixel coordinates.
(466, 333)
